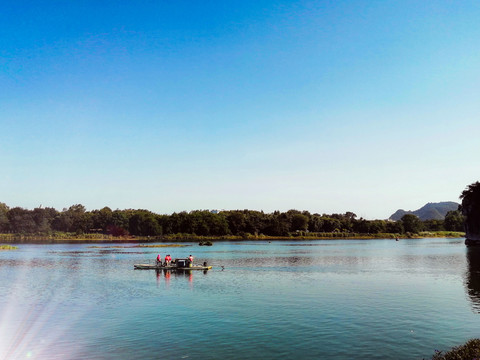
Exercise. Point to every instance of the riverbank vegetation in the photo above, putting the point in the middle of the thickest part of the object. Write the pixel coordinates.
(77, 224)
(469, 351)
(7, 247)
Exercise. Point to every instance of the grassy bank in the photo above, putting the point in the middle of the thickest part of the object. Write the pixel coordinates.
(59, 237)
(317, 236)
(7, 247)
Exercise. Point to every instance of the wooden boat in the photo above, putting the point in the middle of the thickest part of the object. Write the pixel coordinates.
(170, 267)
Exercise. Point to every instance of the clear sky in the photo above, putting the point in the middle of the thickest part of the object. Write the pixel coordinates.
(327, 106)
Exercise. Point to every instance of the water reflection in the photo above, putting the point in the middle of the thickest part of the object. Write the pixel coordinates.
(93, 253)
(166, 275)
(473, 277)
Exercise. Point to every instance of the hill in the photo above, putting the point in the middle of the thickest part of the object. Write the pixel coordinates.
(436, 211)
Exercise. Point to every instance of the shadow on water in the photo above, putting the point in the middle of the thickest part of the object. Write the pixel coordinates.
(472, 278)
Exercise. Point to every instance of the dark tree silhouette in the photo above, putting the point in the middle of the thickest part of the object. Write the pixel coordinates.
(471, 210)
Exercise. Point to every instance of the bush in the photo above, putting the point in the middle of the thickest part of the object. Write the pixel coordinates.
(469, 351)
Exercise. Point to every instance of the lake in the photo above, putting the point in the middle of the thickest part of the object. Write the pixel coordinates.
(325, 299)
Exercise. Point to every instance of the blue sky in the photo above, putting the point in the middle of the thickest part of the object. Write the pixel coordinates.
(326, 106)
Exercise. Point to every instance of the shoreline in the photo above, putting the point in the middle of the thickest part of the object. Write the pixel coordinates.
(63, 238)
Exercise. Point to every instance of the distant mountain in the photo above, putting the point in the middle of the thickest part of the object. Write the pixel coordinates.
(436, 211)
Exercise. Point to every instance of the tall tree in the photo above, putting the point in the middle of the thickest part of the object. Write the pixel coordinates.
(21, 220)
(3, 217)
(454, 221)
(43, 218)
(102, 219)
(236, 221)
(299, 222)
(73, 219)
(471, 210)
(144, 223)
(394, 227)
(411, 223)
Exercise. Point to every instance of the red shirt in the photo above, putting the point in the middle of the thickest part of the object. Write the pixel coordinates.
(159, 258)
(190, 258)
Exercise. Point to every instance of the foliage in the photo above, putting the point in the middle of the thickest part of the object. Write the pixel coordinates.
(3, 217)
(469, 351)
(471, 193)
(78, 223)
(471, 209)
(411, 223)
(454, 221)
(144, 222)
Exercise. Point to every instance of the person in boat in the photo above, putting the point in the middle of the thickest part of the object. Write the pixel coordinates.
(190, 258)
(168, 260)
(159, 260)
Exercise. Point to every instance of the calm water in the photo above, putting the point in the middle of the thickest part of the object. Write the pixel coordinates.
(372, 299)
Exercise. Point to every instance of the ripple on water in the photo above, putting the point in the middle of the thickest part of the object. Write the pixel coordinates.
(335, 300)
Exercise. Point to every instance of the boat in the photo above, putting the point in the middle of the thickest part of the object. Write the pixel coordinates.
(169, 267)
(177, 264)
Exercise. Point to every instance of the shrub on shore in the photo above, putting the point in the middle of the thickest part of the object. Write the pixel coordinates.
(468, 351)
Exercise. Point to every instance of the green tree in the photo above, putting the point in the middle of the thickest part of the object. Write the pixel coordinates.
(433, 225)
(471, 210)
(330, 224)
(256, 221)
(119, 223)
(3, 217)
(102, 219)
(411, 223)
(165, 223)
(144, 223)
(236, 221)
(81, 220)
(377, 227)
(299, 222)
(315, 223)
(394, 227)
(74, 219)
(21, 220)
(43, 218)
(361, 226)
(217, 224)
(277, 225)
(454, 221)
(207, 223)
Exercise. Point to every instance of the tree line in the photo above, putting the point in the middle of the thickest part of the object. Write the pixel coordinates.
(76, 219)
